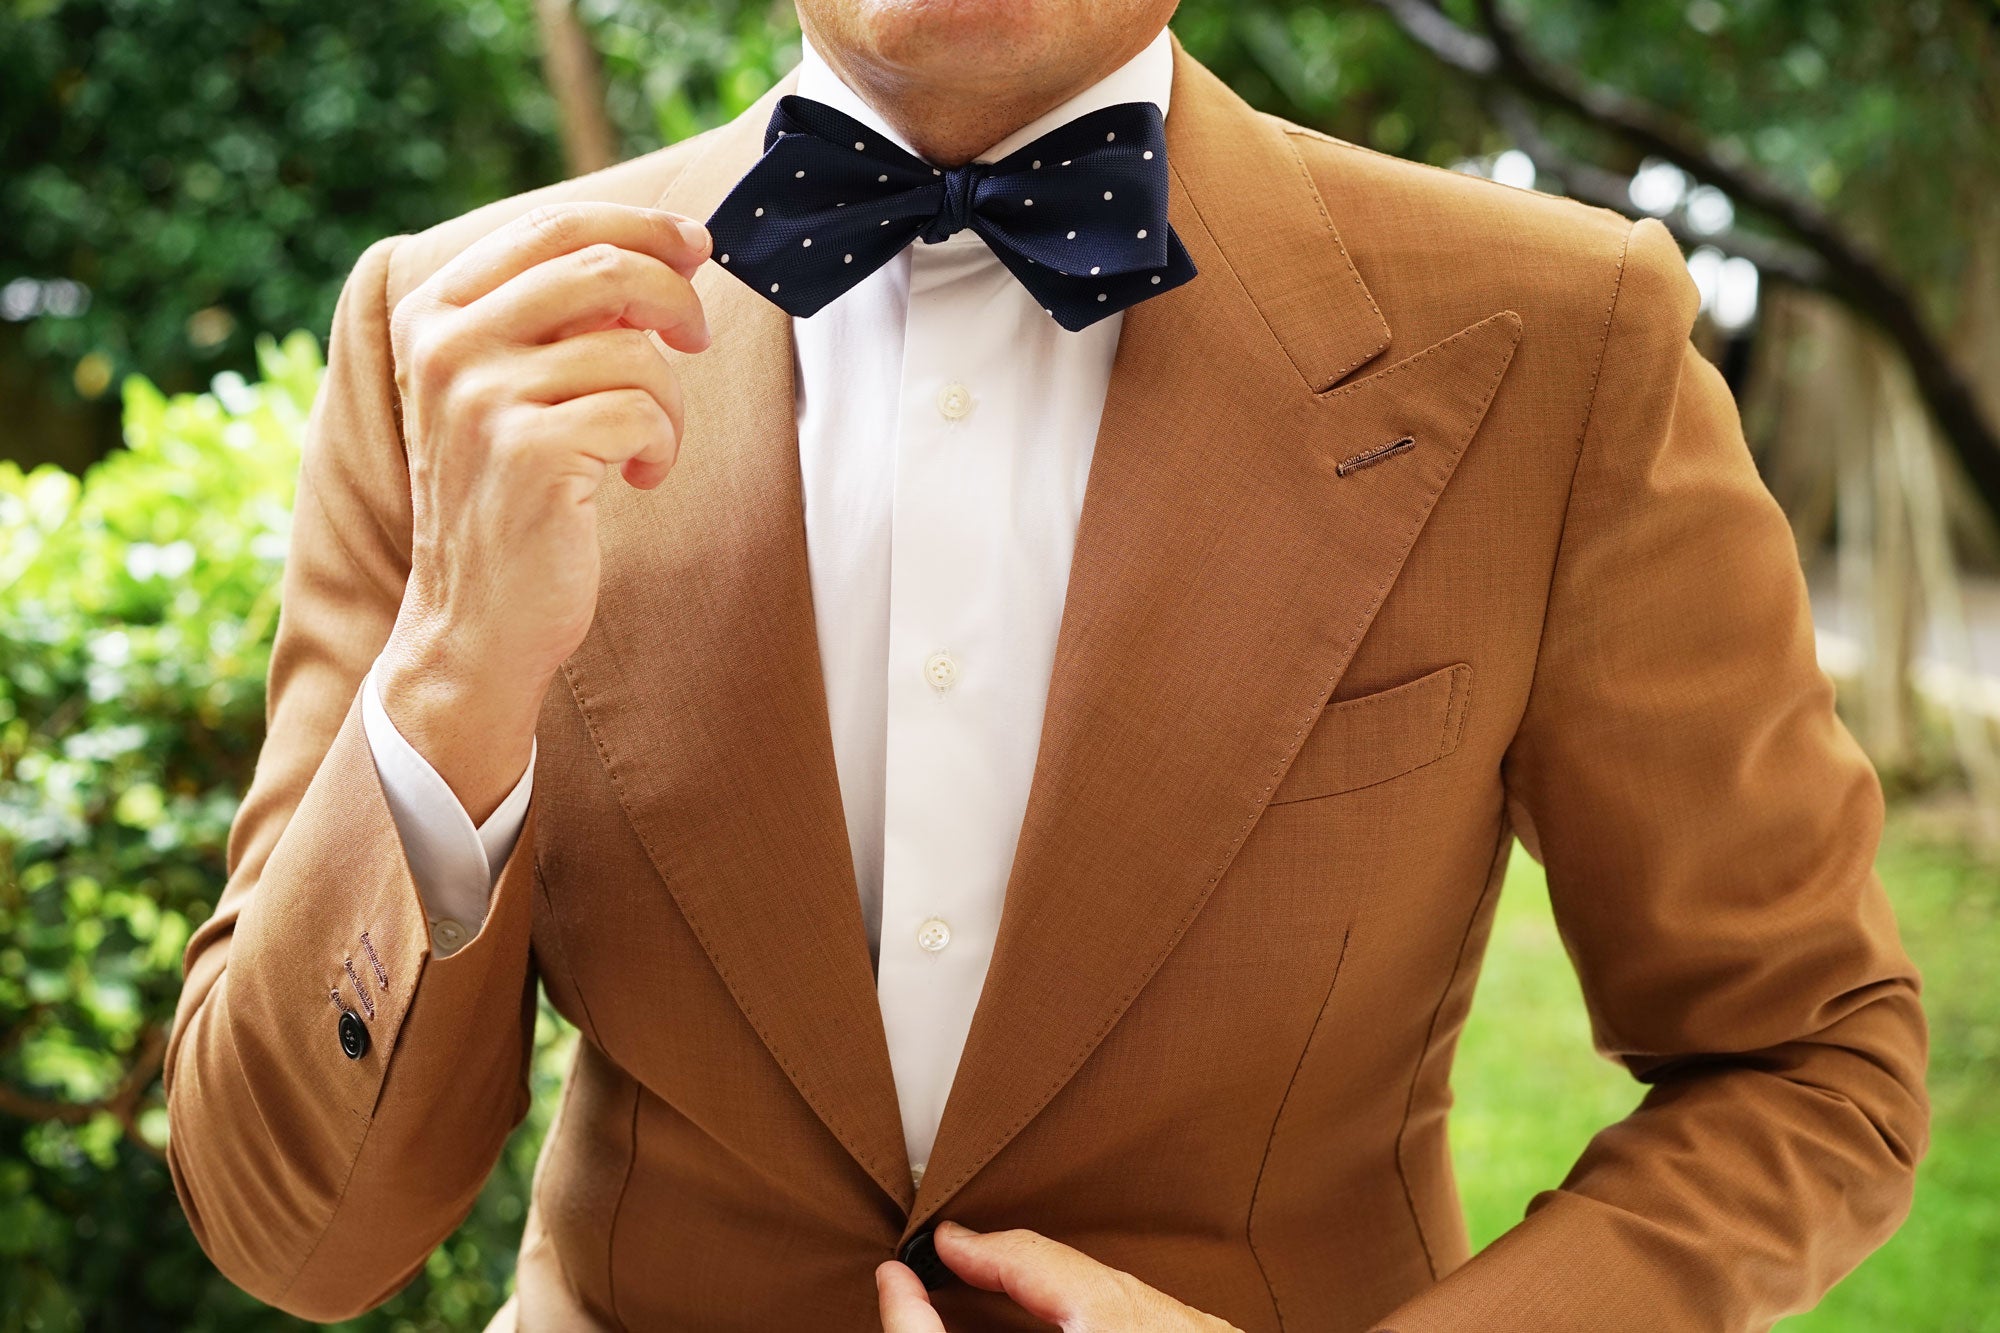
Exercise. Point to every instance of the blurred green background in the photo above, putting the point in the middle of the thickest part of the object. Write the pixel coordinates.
(184, 183)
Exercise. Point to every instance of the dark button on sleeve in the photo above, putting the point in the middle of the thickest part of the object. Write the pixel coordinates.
(920, 1253)
(353, 1035)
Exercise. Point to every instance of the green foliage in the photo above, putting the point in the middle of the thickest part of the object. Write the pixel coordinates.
(136, 613)
(210, 168)
(674, 68)
(1887, 115)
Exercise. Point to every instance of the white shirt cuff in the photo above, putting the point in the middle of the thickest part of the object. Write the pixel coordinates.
(453, 863)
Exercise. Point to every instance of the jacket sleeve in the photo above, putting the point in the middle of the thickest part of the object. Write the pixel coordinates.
(317, 1180)
(1709, 830)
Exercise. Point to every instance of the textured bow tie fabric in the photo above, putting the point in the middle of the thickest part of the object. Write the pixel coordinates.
(1079, 215)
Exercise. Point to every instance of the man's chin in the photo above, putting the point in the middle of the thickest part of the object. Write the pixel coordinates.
(985, 39)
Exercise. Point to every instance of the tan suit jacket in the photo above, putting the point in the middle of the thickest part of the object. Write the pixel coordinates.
(1307, 694)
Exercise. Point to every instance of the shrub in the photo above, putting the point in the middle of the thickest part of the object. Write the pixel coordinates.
(136, 613)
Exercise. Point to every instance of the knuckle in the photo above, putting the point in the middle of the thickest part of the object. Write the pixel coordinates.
(429, 353)
(476, 392)
(601, 261)
(413, 329)
(405, 318)
(624, 408)
(556, 225)
(644, 411)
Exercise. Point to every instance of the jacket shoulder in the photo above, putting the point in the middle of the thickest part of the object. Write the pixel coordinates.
(1381, 189)
(1438, 246)
(639, 181)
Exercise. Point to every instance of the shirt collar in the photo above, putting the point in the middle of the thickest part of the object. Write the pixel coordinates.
(1146, 77)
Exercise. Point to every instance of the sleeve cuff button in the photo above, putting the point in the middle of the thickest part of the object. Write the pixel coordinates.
(353, 1035)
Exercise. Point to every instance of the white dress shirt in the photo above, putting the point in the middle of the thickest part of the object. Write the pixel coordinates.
(946, 425)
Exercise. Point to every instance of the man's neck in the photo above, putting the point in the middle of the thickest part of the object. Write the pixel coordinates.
(951, 125)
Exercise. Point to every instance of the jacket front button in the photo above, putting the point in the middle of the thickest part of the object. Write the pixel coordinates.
(353, 1035)
(920, 1253)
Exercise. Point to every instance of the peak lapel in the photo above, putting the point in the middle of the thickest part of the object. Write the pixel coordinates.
(1226, 567)
(700, 683)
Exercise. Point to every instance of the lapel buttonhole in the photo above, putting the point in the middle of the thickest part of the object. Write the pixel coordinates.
(1375, 455)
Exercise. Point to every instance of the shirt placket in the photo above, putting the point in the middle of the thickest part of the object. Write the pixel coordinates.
(943, 872)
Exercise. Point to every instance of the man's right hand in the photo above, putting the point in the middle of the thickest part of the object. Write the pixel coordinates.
(526, 373)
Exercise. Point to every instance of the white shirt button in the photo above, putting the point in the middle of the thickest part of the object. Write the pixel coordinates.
(954, 400)
(941, 670)
(917, 1175)
(447, 934)
(933, 935)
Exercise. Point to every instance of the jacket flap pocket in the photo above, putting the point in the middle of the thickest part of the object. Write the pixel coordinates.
(1359, 742)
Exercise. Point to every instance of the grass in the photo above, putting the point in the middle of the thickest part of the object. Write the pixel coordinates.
(1531, 1091)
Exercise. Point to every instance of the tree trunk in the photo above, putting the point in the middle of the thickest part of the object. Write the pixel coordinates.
(576, 80)
(1953, 682)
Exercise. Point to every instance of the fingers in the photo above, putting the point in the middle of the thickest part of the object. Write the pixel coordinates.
(680, 243)
(625, 428)
(1046, 1278)
(598, 287)
(593, 362)
(906, 1306)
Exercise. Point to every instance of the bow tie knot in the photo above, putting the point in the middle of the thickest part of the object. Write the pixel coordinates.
(960, 185)
(1078, 216)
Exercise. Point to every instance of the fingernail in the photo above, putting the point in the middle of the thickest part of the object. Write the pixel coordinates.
(695, 235)
(956, 1226)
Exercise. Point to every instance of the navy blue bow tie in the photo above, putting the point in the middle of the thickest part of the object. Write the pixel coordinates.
(1079, 215)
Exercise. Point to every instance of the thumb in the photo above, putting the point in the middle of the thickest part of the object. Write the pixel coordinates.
(906, 1306)
(1044, 1277)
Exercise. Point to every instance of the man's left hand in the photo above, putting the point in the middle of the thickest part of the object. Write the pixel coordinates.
(1046, 1278)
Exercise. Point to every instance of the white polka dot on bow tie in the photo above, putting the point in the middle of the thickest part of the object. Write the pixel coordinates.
(760, 213)
(1107, 194)
(1142, 233)
(1156, 279)
(725, 259)
(880, 179)
(1027, 203)
(807, 242)
(1070, 237)
(798, 175)
(858, 145)
(1095, 270)
(1037, 165)
(774, 287)
(883, 223)
(1100, 295)
(936, 172)
(1148, 155)
(1065, 161)
(841, 204)
(847, 259)
(1109, 137)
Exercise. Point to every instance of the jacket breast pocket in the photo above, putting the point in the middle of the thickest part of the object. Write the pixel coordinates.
(1362, 741)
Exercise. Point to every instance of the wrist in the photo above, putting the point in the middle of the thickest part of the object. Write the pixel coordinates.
(475, 727)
